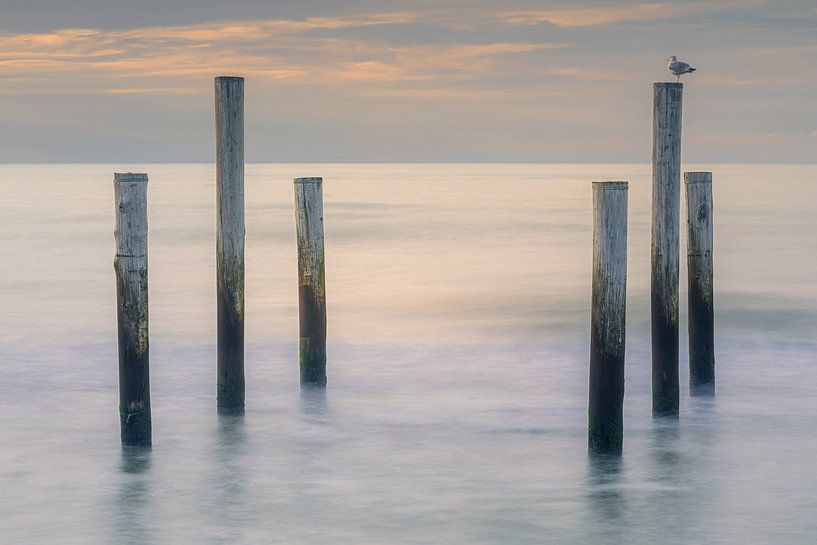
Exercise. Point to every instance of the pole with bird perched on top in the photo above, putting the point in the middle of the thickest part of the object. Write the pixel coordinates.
(666, 204)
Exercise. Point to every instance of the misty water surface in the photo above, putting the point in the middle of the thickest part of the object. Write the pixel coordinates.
(458, 299)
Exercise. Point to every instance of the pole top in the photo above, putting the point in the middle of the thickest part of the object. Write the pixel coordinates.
(698, 177)
(607, 186)
(668, 85)
(308, 180)
(228, 79)
(130, 177)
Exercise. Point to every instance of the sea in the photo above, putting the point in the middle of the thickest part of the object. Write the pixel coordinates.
(458, 300)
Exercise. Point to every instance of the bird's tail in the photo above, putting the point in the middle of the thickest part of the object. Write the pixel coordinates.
(692, 69)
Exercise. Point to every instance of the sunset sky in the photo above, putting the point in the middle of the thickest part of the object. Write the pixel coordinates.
(408, 81)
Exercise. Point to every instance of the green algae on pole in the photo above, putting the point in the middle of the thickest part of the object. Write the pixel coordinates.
(607, 333)
(131, 267)
(666, 203)
(699, 264)
(311, 281)
(229, 92)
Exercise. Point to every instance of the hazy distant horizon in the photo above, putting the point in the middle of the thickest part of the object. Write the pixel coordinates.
(641, 163)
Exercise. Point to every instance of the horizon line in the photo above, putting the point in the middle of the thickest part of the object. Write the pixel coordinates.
(55, 163)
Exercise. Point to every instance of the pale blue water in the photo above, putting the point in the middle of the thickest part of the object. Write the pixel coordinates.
(455, 413)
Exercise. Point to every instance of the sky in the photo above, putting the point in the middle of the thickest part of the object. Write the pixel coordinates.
(405, 81)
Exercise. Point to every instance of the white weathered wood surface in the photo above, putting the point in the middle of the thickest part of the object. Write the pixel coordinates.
(229, 92)
(131, 234)
(666, 202)
(610, 262)
(699, 227)
(666, 196)
(309, 233)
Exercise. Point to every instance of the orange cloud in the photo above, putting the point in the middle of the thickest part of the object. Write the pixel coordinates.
(267, 49)
(599, 15)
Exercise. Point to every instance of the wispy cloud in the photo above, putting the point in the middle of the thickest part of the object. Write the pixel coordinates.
(175, 59)
(598, 15)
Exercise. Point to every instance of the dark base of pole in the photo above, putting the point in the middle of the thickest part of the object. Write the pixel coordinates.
(604, 438)
(312, 346)
(230, 384)
(605, 418)
(231, 411)
(230, 399)
(701, 376)
(313, 364)
(701, 342)
(665, 382)
(702, 389)
(135, 428)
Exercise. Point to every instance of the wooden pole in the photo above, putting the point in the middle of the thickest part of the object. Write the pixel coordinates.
(311, 281)
(229, 93)
(605, 412)
(666, 203)
(699, 263)
(131, 267)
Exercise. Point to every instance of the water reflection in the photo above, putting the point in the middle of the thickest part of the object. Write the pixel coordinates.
(704, 425)
(316, 474)
(703, 390)
(313, 404)
(605, 493)
(134, 497)
(229, 473)
(135, 459)
(665, 449)
(703, 407)
(668, 488)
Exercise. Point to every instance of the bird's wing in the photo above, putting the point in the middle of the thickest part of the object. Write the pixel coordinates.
(679, 67)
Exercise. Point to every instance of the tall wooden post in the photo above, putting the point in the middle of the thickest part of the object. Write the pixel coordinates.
(230, 240)
(605, 411)
(699, 263)
(311, 282)
(131, 267)
(666, 203)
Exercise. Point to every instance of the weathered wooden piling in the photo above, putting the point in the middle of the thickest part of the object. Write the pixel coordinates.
(666, 203)
(605, 411)
(311, 282)
(699, 264)
(131, 266)
(229, 92)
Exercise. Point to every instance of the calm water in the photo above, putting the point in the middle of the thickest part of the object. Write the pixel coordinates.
(455, 412)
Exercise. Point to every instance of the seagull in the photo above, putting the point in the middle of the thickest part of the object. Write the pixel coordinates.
(678, 68)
